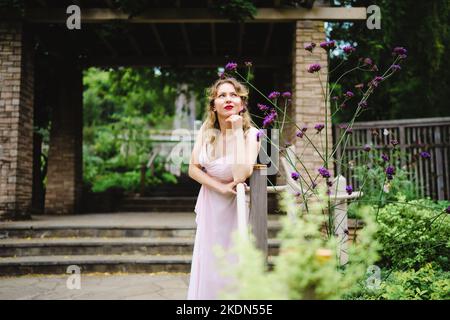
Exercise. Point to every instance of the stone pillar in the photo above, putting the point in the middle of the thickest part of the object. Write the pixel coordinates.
(16, 121)
(308, 100)
(64, 173)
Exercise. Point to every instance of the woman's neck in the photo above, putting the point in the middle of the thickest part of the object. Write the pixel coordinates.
(224, 126)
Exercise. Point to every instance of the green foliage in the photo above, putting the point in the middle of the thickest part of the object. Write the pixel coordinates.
(307, 266)
(414, 233)
(427, 283)
(377, 189)
(424, 81)
(235, 10)
(120, 107)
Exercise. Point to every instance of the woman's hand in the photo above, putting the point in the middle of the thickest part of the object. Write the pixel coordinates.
(236, 121)
(228, 189)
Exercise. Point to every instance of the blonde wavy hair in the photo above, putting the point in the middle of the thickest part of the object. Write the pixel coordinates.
(211, 124)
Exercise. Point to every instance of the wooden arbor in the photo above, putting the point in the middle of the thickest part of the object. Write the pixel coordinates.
(38, 51)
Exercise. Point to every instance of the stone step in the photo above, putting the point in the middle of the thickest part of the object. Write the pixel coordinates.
(103, 246)
(91, 263)
(102, 231)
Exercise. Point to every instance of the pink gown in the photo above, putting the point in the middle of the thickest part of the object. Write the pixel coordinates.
(216, 219)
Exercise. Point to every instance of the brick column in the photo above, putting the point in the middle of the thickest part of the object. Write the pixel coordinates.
(16, 121)
(64, 173)
(308, 99)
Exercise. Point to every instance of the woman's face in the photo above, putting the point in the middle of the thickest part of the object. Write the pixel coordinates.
(227, 101)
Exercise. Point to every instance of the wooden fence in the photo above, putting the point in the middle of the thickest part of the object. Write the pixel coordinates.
(431, 176)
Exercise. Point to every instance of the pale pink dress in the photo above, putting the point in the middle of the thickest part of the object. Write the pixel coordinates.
(216, 219)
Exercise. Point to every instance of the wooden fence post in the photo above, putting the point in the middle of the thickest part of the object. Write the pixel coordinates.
(341, 221)
(258, 206)
(439, 163)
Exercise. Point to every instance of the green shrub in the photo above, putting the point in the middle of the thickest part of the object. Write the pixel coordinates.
(413, 233)
(427, 283)
(377, 191)
(307, 266)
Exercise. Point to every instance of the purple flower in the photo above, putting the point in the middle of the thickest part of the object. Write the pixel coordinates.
(327, 45)
(349, 189)
(329, 183)
(348, 49)
(367, 148)
(324, 172)
(274, 95)
(447, 209)
(376, 81)
(385, 157)
(221, 75)
(295, 176)
(394, 142)
(349, 131)
(270, 118)
(286, 94)
(368, 61)
(248, 63)
(319, 127)
(262, 107)
(301, 132)
(425, 155)
(349, 94)
(390, 170)
(363, 104)
(335, 98)
(231, 66)
(259, 135)
(309, 47)
(400, 51)
(396, 67)
(315, 67)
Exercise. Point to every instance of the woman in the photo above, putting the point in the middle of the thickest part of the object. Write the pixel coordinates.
(223, 156)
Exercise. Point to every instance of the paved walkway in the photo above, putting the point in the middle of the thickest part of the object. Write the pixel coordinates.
(159, 286)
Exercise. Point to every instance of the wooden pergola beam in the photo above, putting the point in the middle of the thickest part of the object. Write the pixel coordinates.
(134, 44)
(158, 39)
(185, 61)
(213, 39)
(241, 38)
(196, 15)
(268, 39)
(186, 39)
(107, 44)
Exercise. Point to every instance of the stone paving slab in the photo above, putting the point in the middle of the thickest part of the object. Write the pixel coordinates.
(150, 286)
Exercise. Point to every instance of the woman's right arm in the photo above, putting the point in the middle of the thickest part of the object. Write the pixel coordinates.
(196, 173)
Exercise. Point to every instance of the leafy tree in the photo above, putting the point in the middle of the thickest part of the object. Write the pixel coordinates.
(422, 90)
